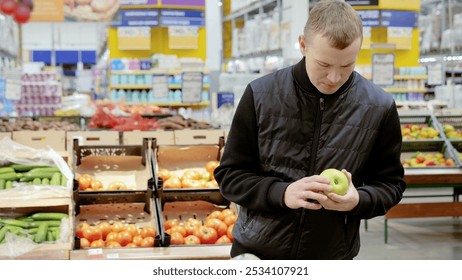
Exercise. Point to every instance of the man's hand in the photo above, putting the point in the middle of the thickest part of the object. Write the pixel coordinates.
(308, 193)
(345, 202)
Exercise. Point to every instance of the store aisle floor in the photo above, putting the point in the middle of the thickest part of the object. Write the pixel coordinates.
(412, 239)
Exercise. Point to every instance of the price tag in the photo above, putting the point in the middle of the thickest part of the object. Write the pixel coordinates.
(192, 87)
(383, 69)
(113, 256)
(160, 86)
(435, 74)
(96, 251)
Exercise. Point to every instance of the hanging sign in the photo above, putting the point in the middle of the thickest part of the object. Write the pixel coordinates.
(134, 38)
(383, 69)
(184, 3)
(370, 17)
(435, 74)
(363, 2)
(138, 18)
(160, 86)
(138, 2)
(192, 87)
(182, 18)
(183, 37)
(401, 37)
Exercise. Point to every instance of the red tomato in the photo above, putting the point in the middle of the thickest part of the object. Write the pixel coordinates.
(192, 240)
(230, 219)
(148, 231)
(96, 184)
(92, 233)
(84, 182)
(218, 225)
(179, 228)
(170, 223)
(84, 243)
(124, 238)
(147, 242)
(112, 236)
(79, 229)
(113, 244)
(226, 212)
(172, 183)
(132, 229)
(176, 238)
(207, 235)
(118, 226)
(214, 214)
(137, 239)
(164, 174)
(191, 224)
(131, 245)
(211, 165)
(223, 240)
(99, 243)
(105, 228)
(229, 232)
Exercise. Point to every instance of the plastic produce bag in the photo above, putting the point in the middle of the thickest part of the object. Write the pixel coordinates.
(15, 153)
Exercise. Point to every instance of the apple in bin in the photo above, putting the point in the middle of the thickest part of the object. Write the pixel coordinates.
(338, 180)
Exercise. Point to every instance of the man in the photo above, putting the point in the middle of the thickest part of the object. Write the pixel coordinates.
(296, 122)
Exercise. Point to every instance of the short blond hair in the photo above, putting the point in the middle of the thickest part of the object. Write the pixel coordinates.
(336, 20)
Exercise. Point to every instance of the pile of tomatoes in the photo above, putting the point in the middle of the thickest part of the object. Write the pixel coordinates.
(216, 229)
(192, 178)
(115, 235)
(90, 183)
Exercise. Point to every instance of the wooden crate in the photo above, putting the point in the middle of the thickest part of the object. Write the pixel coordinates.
(163, 137)
(52, 251)
(197, 136)
(41, 139)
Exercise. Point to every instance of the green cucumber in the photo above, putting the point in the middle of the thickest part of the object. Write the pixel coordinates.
(54, 223)
(63, 180)
(47, 216)
(25, 168)
(56, 179)
(41, 233)
(10, 176)
(45, 181)
(37, 181)
(2, 184)
(7, 170)
(3, 231)
(14, 222)
(8, 185)
(43, 170)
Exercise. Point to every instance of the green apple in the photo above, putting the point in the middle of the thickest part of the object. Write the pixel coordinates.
(338, 180)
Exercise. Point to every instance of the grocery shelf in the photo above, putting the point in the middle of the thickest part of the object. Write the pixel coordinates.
(398, 90)
(410, 77)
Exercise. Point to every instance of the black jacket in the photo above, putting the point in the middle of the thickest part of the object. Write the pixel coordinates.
(285, 129)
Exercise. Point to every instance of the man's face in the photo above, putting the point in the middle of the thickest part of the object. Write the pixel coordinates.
(328, 68)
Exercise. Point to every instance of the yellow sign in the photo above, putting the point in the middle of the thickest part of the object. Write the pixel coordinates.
(134, 38)
(48, 11)
(182, 37)
(401, 37)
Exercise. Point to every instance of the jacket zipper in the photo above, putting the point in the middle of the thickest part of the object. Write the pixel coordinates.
(314, 148)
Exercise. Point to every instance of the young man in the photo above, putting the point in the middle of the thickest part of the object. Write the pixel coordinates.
(294, 123)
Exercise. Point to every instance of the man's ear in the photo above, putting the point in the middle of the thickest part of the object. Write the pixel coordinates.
(301, 42)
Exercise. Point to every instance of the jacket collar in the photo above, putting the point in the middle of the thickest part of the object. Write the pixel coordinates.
(302, 80)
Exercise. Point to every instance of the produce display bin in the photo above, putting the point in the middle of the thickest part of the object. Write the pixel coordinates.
(411, 127)
(126, 165)
(426, 148)
(451, 126)
(23, 246)
(179, 158)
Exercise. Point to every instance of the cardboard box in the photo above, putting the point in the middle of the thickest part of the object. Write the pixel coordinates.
(23, 248)
(41, 139)
(178, 157)
(197, 136)
(97, 138)
(163, 137)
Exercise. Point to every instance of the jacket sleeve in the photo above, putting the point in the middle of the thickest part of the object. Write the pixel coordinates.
(383, 175)
(238, 173)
